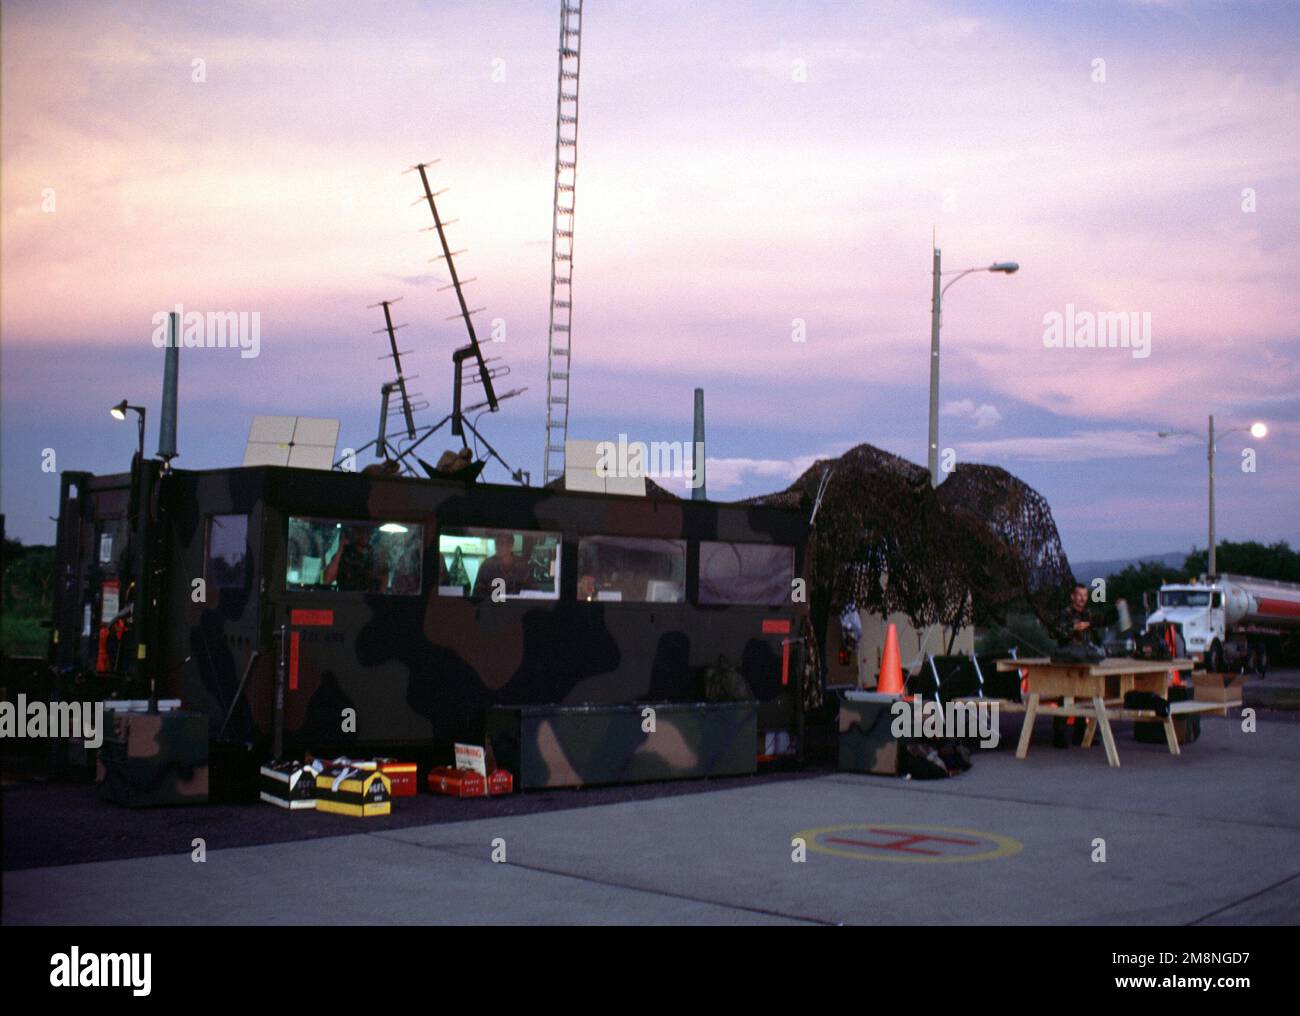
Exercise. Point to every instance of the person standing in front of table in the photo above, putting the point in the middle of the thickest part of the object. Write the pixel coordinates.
(1076, 619)
(1076, 629)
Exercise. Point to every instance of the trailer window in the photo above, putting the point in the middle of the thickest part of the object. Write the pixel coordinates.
(354, 557)
(471, 560)
(753, 573)
(631, 570)
(227, 555)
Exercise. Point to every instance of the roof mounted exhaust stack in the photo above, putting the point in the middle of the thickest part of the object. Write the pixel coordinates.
(697, 449)
(171, 371)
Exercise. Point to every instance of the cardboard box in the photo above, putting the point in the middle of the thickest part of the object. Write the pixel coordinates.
(290, 785)
(360, 793)
(1218, 688)
(456, 782)
(500, 781)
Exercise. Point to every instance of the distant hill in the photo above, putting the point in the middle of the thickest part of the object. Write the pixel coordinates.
(1086, 570)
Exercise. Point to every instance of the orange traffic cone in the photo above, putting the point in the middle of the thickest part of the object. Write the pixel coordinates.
(890, 681)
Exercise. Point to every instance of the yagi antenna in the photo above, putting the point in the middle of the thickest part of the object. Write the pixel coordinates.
(469, 367)
(396, 357)
(473, 349)
(409, 403)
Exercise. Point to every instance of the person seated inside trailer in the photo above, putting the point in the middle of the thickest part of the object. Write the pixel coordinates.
(631, 569)
(503, 564)
(355, 567)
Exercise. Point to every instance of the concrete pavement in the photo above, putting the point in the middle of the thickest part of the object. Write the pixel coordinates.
(1280, 689)
(1212, 836)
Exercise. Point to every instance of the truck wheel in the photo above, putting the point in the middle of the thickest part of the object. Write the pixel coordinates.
(1214, 659)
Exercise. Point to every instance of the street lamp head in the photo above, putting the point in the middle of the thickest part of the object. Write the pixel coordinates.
(1009, 267)
(1258, 430)
(118, 412)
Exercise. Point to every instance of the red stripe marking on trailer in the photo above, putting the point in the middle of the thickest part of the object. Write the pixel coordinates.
(1284, 607)
(776, 626)
(293, 660)
(312, 618)
(785, 664)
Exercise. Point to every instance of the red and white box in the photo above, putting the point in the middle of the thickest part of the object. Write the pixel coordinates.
(456, 782)
(500, 782)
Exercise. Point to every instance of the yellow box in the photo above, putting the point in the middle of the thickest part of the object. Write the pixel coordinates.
(360, 793)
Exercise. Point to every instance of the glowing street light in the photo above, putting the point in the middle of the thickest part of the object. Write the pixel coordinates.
(119, 411)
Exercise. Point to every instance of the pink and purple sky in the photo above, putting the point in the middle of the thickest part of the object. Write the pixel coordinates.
(741, 166)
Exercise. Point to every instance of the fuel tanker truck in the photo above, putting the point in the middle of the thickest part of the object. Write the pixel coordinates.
(1228, 622)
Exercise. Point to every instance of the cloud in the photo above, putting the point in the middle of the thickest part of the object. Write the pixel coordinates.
(1079, 446)
(728, 474)
(983, 415)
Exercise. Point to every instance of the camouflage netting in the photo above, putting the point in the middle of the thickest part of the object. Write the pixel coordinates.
(962, 553)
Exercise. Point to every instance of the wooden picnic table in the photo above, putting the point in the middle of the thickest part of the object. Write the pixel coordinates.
(1100, 689)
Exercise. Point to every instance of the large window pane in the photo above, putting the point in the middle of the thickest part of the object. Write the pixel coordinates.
(754, 573)
(227, 551)
(355, 557)
(471, 559)
(631, 570)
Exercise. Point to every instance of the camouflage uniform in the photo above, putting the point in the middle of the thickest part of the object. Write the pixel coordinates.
(1068, 618)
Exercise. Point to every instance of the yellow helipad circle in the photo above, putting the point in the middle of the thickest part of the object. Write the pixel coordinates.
(1002, 846)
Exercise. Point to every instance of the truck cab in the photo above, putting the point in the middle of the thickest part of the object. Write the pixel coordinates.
(1194, 612)
(1232, 621)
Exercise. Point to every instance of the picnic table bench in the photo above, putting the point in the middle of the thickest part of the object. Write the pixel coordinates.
(1100, 689)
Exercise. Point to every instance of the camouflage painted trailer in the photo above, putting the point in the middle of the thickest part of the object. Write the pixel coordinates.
(393, 611)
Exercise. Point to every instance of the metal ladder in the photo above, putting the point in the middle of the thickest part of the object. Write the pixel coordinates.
(566, 172)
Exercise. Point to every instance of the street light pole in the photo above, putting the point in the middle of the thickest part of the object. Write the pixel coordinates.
(1257, 430)
(934, 375)
(936, 313)
(1213, 564)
